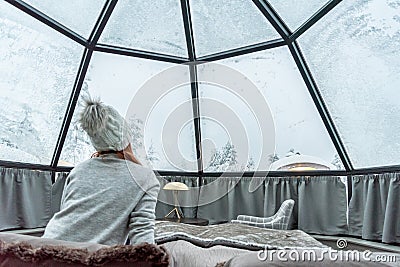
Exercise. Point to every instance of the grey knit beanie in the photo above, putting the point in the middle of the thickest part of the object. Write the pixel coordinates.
(106, 128)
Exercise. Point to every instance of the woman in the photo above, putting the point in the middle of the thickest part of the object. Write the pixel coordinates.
(111, 196)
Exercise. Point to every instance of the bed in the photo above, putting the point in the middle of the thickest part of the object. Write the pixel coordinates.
(228, 245)
(234, 245)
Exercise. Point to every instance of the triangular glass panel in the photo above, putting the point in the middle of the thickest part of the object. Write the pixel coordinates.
(155, 26)
(38, 67)
(354, 55)
(223, 25)
(77, 15)
(295, 12)
(145, 93)
(300, 134)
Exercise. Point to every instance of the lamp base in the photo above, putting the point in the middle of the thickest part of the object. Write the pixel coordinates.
(176, 211)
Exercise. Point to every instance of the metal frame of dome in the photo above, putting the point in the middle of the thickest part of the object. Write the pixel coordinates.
(288, 38)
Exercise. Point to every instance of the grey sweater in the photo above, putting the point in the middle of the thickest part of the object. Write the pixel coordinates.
(105, 200)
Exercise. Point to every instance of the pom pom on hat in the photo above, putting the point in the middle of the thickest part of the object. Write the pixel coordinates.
(93, 117)
(106, 128)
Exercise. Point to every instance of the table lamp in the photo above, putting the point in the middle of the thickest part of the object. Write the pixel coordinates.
(176, 186)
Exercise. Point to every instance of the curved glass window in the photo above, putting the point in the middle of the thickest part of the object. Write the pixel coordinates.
(232, 137)
(295, 12)
(297, 124)
(223, 25)
(80, 16)
(149, 95)
(354, 55)
(147, 25)
(38, 67)
(255, 109)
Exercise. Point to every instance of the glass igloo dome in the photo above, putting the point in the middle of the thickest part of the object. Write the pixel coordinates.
(327, 72)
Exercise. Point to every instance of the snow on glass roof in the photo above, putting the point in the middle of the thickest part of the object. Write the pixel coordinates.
(325, 75)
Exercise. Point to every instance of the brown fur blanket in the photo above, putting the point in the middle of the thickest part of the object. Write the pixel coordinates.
(28, 253)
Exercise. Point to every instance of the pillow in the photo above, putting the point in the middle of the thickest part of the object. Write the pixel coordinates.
(22, 250)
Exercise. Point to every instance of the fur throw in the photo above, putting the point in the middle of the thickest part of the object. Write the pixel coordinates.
(142, 255)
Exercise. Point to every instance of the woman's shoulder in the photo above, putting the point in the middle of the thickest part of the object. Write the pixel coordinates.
(134, 167)
(143, 174)
(82, 165)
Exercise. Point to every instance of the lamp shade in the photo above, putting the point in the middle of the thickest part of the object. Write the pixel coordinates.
(176, 186)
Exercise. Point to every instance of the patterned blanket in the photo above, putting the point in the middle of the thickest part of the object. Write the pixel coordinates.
(234, 235)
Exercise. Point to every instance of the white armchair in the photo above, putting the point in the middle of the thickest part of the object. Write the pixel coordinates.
(280, 220)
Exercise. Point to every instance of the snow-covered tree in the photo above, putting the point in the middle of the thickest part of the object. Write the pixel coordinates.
(292, 152)
(136, 125)
(273, 157)
(224, 159)
(250, 166)
(152, 155)
(337, 162)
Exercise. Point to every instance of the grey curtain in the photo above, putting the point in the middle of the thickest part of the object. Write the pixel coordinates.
(239, 200)
(25, 198)
(322, 205)
(187, 199)
(28, 199)
(374, 209)
(320, 202)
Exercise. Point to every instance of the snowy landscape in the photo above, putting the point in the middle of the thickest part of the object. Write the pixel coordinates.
(358, 41)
